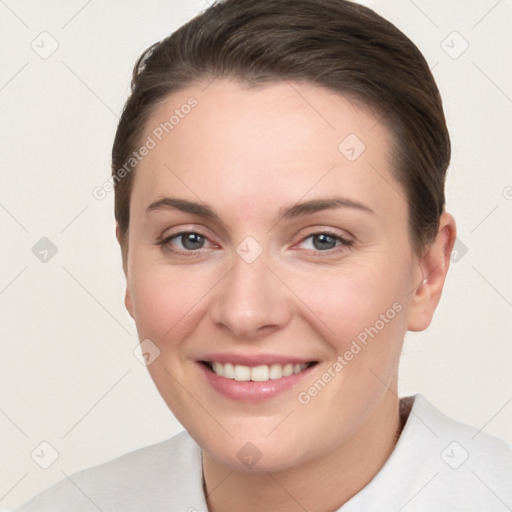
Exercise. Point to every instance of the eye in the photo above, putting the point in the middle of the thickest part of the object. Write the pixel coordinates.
(191, 241)
(184, 242)
(325, 241)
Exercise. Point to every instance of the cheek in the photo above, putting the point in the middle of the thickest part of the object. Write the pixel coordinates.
(165, 301)
(350, 300)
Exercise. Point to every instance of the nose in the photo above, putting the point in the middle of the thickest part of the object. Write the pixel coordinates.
(251, 301)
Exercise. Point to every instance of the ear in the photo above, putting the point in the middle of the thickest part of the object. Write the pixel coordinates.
(122, 242)
(433, 267)
(128, 302)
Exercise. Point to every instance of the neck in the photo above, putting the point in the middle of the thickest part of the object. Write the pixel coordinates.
(320, 485)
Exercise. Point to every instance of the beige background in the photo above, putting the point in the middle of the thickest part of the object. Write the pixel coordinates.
(68, 375)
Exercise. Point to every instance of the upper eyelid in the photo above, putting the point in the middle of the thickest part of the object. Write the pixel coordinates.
(345, 240)
(317, 231)
(224, 234)
(345, 235)
(182, 231)
(171, 236)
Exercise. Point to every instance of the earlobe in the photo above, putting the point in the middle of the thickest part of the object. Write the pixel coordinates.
(118, 234)
(128, 302)
(127, 298)
(122, 243)
(434, 266)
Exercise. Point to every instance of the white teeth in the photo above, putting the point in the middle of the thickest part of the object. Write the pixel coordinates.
(275, 371)
(218, 368)
(287, 370)
(228, 370)
(260, 373)
(242, 373)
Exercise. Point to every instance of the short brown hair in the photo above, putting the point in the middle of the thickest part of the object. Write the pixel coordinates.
(336, 44)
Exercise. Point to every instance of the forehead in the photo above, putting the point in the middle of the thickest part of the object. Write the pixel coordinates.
(274, 143)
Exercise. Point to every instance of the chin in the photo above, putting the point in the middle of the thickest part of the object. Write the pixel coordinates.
(255, 453)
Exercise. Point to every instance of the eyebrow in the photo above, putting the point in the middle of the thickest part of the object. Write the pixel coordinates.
(316, 205)
(297, 210)
(183, 205)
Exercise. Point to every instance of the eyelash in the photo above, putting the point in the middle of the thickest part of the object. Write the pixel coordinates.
(344, 244)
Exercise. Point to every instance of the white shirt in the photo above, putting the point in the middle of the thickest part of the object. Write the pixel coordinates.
(438, 465)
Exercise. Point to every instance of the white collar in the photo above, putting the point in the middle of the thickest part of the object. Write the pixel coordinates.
(438, 465)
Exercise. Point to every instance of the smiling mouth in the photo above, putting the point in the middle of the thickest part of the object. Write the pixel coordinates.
(259, 373)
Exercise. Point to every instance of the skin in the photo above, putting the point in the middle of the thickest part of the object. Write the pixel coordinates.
(247, 153)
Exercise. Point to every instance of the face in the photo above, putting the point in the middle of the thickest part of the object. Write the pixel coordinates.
(267, 230)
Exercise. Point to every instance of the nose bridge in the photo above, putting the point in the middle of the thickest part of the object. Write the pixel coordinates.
(251, 300)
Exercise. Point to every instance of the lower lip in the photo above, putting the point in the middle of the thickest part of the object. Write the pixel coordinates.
(249, 391)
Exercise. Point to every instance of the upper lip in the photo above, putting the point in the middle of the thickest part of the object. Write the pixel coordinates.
(254, 359)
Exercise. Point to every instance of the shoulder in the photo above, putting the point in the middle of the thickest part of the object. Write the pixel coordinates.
(473, 468)
(465, 442)
(145, 479)
(439, 464)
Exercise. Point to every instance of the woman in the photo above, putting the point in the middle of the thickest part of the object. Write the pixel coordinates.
(279, 173)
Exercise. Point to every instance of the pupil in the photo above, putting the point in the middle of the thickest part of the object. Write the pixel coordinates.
(192, 241)
(324, 241)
